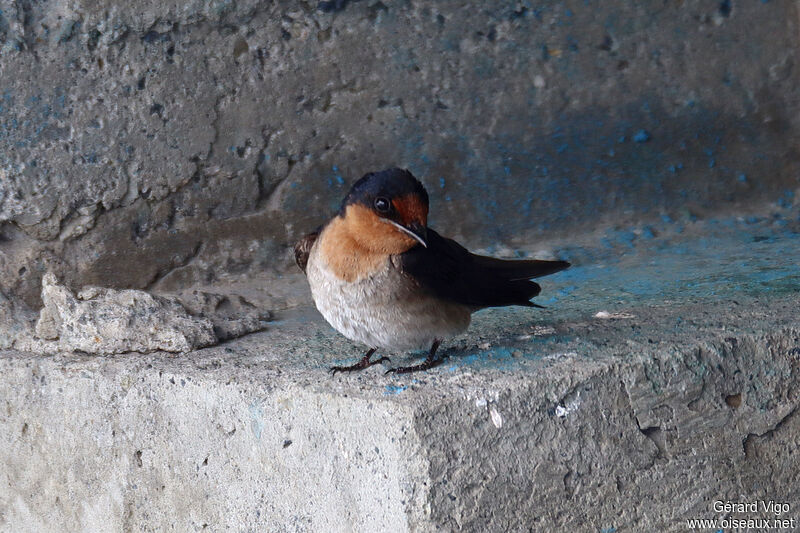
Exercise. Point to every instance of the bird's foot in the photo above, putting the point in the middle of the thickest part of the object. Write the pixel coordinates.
(361, 365)
(425, 365)
(429, 362)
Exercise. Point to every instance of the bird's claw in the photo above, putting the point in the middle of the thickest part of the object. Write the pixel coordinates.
(361, 365)
(425, 365)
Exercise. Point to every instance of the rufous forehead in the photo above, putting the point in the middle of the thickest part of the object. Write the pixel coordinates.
(411, 209)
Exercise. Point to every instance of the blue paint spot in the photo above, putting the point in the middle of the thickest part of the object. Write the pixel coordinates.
(332, 6)
(394, 389)
(742, 177)
(572, 44)
(786, 200)
(641, 136)
(336, 175)
(611, 529)
(441, 182)
(614, 237)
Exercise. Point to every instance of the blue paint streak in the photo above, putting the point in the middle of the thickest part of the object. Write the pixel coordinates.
(394, 389)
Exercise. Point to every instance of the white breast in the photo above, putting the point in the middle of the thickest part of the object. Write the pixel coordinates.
(385, 310)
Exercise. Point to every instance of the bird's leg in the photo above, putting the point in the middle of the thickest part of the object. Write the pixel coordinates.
(429, 362)
(361, 365)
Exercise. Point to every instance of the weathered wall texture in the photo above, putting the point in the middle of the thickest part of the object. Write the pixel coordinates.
(182, 147)
(165, 144)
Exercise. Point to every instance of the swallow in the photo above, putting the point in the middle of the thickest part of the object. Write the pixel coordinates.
(381, 277)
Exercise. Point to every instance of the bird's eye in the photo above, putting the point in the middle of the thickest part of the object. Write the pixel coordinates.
(382, 204)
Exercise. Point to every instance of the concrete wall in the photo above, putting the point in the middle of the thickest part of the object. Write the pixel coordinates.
(166, 144)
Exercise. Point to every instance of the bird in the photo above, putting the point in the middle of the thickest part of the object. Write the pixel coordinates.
(382, 278)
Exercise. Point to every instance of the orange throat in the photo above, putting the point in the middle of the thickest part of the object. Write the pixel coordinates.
(358, 244)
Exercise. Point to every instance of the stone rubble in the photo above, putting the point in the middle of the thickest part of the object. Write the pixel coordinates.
(108, 321)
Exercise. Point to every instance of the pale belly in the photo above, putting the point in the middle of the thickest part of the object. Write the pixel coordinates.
(385, 310)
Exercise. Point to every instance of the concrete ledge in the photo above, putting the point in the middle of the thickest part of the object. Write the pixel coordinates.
(636, 418)
(254, 434)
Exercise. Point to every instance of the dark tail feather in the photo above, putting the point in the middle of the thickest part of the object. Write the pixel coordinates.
(519, 269)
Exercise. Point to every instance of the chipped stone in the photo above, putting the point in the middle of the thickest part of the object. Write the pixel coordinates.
(232, 315)
(612, 316)
(497, 419)
(109, 321)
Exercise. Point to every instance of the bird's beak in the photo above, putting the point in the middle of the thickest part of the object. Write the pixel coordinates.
(415, 230)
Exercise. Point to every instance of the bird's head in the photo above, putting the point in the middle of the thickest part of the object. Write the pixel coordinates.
(387, 211)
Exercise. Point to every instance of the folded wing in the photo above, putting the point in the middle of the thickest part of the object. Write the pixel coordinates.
(303, 248)
(450, 271)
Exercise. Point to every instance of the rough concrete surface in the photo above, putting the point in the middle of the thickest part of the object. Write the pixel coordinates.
(166, 144)
(168, 154)
(660, 379)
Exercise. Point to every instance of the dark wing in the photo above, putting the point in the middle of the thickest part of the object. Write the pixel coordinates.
(450, 271)
(303, 248)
